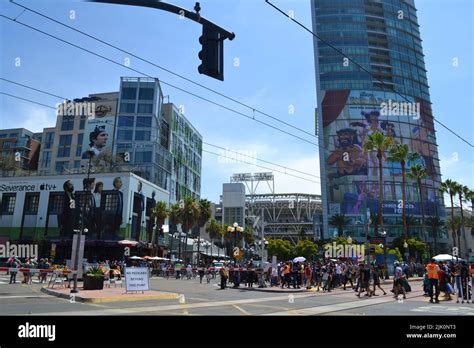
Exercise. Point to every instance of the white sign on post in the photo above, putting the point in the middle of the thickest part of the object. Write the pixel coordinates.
(136, 279)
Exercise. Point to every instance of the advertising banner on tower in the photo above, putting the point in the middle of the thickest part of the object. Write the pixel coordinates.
(99, 130)
(350, 117)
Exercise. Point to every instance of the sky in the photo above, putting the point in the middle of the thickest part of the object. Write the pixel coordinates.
(269, 66)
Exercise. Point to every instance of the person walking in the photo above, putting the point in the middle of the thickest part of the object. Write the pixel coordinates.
(14, 264)
(224, 276)
(308, 275)
(347, 275)
(444, 284)
(364, 280)
(376, 281)
(201, 273)
(433, 278)
(250, 274)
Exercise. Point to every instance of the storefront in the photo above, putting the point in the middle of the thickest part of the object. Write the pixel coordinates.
(45, 210)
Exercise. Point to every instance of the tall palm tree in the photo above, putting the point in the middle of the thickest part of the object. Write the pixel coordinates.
(205, 213)
(214, 229)
(435, 222)
(248, 235)
(174, 216)
(339, 221)
(190, 213)
(455, 224)
(463, 194)
(158, 215)
(417, 173)
(449, 187)
(458, 192)
(400, 153)
(379, 143)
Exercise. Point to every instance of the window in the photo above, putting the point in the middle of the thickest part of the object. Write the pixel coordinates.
(125, 121)
(46, 161)
(129, 93)
(124, 135)
(82, 122)
(145, 108)
(127, 107)
(64, 148)
(48, 140)
(56, 202)
(31, 203)
(164, 134)
(7, 144)
(67, 123)
(2, 136)
(143, 157)
(61, 166)
(146, 94)
(80, 138)
(142, 135)
(8, 203)
(77, 164)
(143, 121)
(111, 202)
(13, 135)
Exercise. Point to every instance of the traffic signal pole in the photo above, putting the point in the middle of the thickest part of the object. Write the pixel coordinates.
(194, 16)
(212, 39)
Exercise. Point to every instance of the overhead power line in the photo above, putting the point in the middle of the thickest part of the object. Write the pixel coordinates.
(267, 168)
(164, 69)
(360, 66)
(258, 159)
(28, 100)
(161, 81)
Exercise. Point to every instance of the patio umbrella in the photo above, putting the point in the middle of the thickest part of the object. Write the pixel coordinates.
(127, 242)
(299, 259)
(446, 257)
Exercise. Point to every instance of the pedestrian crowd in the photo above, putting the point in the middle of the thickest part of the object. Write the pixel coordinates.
(451, 278)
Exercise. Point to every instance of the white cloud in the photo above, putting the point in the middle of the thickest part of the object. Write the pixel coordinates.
(217, 171)
(458, 167)
(33, 118)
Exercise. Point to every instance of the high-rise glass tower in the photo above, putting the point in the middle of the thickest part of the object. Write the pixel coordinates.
(383, 37)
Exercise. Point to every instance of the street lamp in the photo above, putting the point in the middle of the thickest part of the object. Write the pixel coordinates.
(234, 229)
(181, 235)
(205, 245)
(91, 154)
(405, 245)
(384, 236)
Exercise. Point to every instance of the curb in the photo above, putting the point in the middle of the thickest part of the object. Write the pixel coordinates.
(129, 298)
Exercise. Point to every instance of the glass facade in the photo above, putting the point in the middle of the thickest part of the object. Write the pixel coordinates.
(186, 149)
(383, 37)
(138, 130)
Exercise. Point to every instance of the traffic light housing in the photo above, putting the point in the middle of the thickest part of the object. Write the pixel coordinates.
(212, 53)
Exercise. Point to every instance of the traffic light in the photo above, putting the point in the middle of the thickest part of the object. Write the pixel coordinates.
(212, 53)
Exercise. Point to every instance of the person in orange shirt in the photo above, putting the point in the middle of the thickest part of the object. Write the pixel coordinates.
(433, 269)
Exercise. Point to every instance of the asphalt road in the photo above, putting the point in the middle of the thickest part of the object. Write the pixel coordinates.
(208, 299)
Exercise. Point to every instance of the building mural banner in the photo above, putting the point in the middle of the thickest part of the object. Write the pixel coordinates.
(99, 130)
(349, 118)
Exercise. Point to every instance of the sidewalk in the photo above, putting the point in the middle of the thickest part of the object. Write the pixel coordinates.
(278, 289)
(108, 295)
